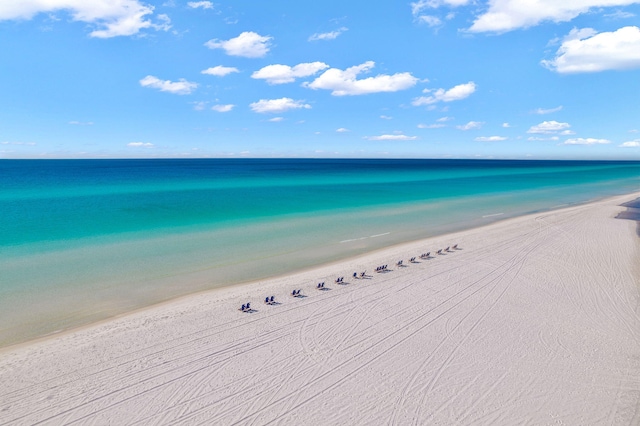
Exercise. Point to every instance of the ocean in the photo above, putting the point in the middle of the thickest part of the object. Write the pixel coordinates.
(85, 240)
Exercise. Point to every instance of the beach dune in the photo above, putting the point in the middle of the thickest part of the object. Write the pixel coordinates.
(533, 320)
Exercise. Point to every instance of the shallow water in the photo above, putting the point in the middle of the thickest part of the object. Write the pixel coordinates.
(83, 240)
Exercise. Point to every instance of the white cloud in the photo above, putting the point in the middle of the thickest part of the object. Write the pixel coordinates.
(343, 83)
(508, 15)
(386, 117)
(456, 93)
(506, 125)
(617, 50)
(248, 44)
(81, 123)
(431, 126)
(18, 143)
(180, 87)
(111, 17)
(276, 119)
(391, 138)
(490, 138)
(585, 141)
(327, 36)
(280, 74)
(536, 138)
(543, 111)
(444, 119)
(219, 71)
(472, 125)
(430, 20)
(631, 144)
(276, 106)
(418, 6)
(548, 127)
(619, 14)
(223, 108)
(200, 4)
(199, 106)
(140, 144)
(342, 130)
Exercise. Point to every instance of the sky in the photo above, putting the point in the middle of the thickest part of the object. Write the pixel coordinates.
(513, 79)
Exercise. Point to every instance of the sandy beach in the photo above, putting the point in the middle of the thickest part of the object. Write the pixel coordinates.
(534, 320)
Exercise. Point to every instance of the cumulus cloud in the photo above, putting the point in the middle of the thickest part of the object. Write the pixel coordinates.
(549, 127)
(490, 138)
(180, 87)
(280, 74)
(543, 111)
(276, 106)
(430, 20)
(506, 125)
(630, 144)
(508, 15)
(585, 141)
(585, 51)
(431, 126)
(219, 71)
(276, 119)
(342, 130)
(417, 9)
(248, 45)
(140, 144)
(345, 82)
(200, 4)
(111, 17)
(223, 108)
(327, 36)
(472, 125)
(391, 138)
(456, 93)
(421, 5)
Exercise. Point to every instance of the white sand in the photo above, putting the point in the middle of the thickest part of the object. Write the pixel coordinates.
(535, 321)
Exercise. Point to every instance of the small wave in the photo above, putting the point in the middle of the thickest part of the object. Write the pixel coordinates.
(495, 214)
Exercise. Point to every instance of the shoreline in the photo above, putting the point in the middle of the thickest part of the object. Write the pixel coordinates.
(535, 319)
(311, 269)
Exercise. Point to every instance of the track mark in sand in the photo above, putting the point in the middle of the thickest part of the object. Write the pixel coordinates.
(505, 268)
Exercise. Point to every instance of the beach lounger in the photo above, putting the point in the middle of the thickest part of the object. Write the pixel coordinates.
(439, 251)
(455, 247)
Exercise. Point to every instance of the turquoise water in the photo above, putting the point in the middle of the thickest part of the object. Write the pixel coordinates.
(83, 240)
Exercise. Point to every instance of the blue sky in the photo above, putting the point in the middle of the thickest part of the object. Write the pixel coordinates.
(425, 79)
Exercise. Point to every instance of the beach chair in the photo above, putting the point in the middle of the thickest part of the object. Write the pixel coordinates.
(363, 274)
(439, 251)
(447, 249)
(399, 263)
(266, 300)
(455, 247)
(355, 275)
(242, 308)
